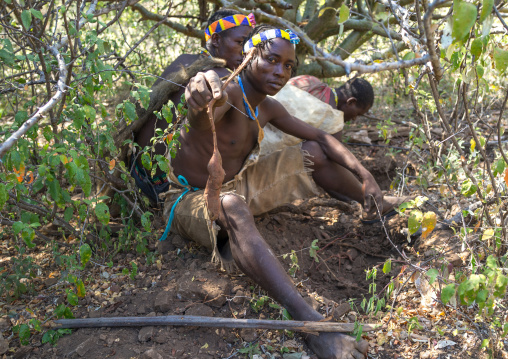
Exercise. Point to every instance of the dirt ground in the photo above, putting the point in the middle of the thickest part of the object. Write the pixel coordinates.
(182, 281)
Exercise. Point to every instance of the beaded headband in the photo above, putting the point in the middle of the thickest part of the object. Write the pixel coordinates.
(271, 34)
(228, 22)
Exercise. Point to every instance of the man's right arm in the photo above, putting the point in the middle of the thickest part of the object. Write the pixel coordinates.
(201, 89)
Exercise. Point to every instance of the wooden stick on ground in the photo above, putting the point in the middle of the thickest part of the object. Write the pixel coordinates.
(197, 321)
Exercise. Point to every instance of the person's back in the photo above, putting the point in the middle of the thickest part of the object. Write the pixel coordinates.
(354, 98)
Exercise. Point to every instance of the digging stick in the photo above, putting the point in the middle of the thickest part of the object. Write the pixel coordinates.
(197, 321)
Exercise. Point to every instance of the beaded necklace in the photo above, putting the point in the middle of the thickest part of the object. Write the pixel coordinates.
(245, 102)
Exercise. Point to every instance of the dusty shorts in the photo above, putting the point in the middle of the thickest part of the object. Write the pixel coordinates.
(264, 183)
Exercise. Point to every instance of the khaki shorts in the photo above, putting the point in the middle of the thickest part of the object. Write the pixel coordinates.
(265, 183)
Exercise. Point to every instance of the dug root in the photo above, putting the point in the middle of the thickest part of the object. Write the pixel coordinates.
(255, 184)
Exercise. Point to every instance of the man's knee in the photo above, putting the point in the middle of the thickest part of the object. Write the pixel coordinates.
(313, 148)
(233, 204)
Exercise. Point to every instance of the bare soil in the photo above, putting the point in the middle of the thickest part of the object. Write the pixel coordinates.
(182, 281)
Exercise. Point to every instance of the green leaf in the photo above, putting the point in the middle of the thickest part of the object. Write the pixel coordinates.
(89, 112)
(500, 58)
(144, 96)
(72, 298)
(464, 17)
(428, 224)
(20, 117)
(80, 287)
(409, 56)
(55, 190)
(343, 13)
(432, 274)
(84, 181)
(387, 266)
(85, 253)
(413, 222)
(482, 295)
(162, 162)
(313, 250)
(4, 195)
(78, 117)
(35, 324)
(28, 234)
(486, 9)
(167, 113)
(134, 270)
(69, 211)
(146, 161)
(500, 287)
(500, 166)
(7, 56)
(447, 293)
(37, 14)
(102, 213)
(129, 111)
(145, 221)
(468, 188)
(476, 47)
(48, 336)
(24, 334)
(17, 227)
(26, 19)
(485, 343)
(480, 71)
(286, 315)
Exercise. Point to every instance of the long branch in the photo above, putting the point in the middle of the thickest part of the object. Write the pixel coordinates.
(353, 66)
(214, 322)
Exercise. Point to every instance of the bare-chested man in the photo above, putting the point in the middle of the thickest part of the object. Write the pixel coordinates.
(253, 185)
(223, 41)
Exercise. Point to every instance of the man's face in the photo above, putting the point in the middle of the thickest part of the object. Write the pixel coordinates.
(352, 110)
(272, 67)
(230, 44)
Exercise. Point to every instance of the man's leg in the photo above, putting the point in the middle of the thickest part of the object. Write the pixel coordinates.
(338, 181)
(255, 259)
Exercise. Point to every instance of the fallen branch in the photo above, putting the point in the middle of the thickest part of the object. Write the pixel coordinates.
(211, 322)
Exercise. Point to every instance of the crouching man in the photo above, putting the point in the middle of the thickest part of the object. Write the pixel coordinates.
(254, 184)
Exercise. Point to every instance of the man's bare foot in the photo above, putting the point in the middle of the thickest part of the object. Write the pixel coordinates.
(337, 346)
(390, 203)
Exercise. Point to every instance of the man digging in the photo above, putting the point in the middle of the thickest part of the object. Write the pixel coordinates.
(253, 184)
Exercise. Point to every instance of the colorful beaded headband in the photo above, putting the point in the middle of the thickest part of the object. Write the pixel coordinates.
(271, 34)
(228, 22)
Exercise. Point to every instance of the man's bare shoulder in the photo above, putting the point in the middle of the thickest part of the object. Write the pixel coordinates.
(273, 107)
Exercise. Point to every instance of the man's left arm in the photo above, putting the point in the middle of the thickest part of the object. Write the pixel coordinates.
(333, 149)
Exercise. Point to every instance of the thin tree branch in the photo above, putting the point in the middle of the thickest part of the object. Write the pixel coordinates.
(431, 46)
(385, 66)
(4, 147)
